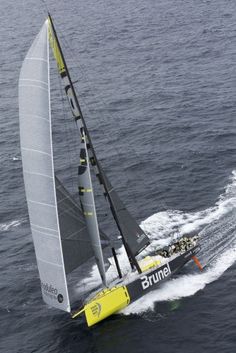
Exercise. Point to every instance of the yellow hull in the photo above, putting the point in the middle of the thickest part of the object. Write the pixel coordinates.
(111, 300)
(104, 304)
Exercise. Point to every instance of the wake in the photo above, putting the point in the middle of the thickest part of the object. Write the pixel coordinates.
(217, 229)
(183, 286)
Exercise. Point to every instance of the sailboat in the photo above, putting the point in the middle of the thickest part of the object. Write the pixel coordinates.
(65, 232)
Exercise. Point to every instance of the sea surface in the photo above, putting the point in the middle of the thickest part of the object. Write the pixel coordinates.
(157, 84)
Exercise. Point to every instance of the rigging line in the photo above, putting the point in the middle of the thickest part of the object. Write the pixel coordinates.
(119, 154)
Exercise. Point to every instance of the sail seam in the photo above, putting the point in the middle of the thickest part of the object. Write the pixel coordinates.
(41, 203)
(45, 233)
(54, 184)
(43, 88)
(49, 262)
(74, 233)
(33, 173)
(35, 58)
(34, 150)
(28, 79)
(36, 116)
(36, 225)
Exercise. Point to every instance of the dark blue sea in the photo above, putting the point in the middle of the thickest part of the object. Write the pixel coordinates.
(157, 84)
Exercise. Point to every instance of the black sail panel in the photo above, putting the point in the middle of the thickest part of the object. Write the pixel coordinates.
(134, 237)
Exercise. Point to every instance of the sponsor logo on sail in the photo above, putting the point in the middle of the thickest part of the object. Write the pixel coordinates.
(157, 276)
(60, 298)
(140, 237)
(51, 292)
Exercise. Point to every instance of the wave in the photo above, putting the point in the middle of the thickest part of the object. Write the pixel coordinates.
(217, 229)
(183, 286)
(10, 225)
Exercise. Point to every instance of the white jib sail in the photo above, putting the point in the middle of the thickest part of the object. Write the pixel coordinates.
(38, 168)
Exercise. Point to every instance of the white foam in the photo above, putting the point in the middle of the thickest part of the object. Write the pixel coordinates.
(183, 286)
(8, 226)
(159, 225)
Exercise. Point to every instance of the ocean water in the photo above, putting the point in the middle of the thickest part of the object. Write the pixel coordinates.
(157, 83)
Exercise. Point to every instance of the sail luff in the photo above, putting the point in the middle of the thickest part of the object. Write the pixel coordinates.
(53, 171)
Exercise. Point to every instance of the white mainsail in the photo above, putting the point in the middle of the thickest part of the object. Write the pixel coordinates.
(38, 168)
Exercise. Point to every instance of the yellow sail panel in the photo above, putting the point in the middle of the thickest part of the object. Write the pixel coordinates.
(55, 49)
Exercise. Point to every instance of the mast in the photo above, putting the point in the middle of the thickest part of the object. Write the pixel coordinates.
(133, 237)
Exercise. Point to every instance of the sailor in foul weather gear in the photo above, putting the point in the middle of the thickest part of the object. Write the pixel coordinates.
(182, 245)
